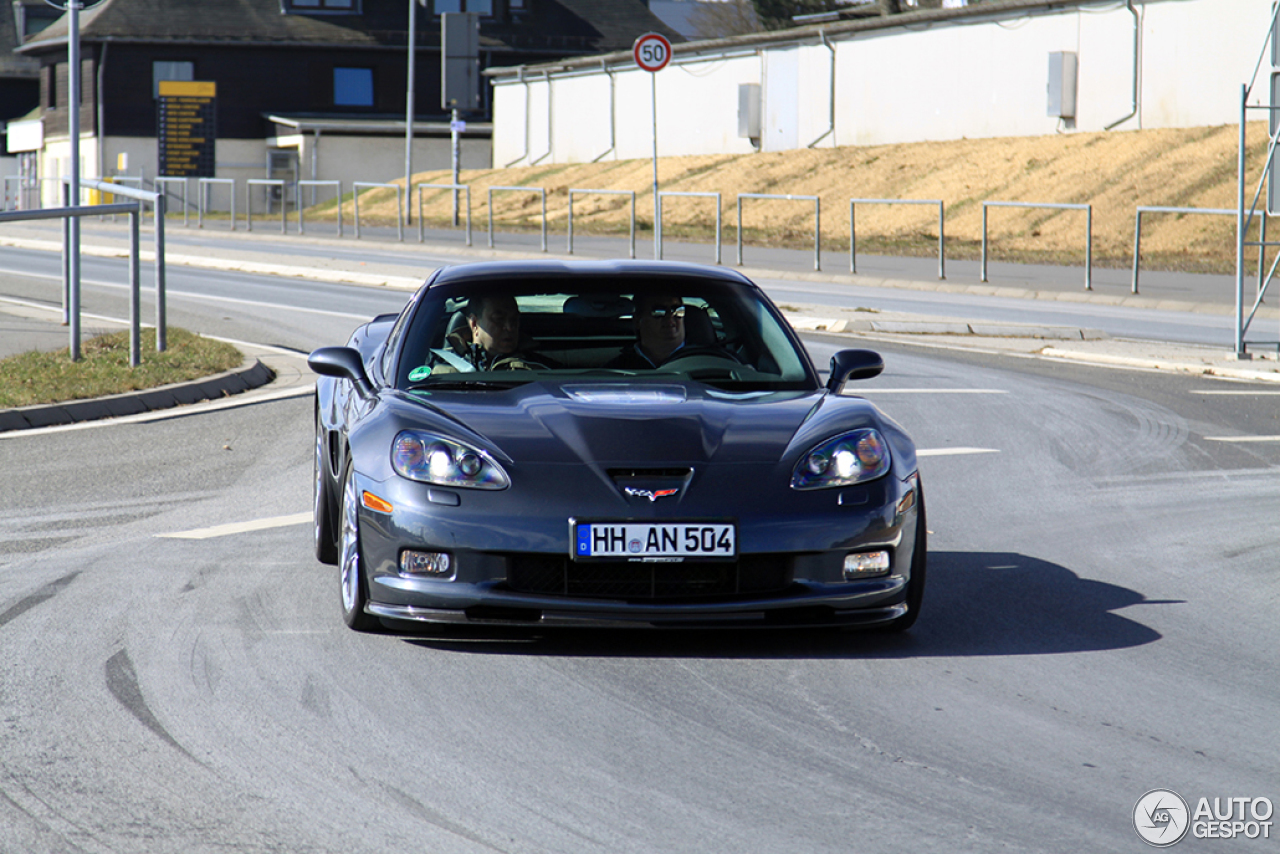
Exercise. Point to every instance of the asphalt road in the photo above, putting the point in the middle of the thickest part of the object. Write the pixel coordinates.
(1099, 623)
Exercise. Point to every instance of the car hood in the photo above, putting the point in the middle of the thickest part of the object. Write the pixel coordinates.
(615, 424)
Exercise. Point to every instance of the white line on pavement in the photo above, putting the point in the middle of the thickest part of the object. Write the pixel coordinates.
(949, 452)
(240, 527)
(932, 391)
(1242, 438)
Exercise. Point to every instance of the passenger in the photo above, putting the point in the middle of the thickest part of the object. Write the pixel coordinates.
(659, 323)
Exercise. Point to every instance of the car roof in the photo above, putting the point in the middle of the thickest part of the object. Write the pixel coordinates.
(586, 270)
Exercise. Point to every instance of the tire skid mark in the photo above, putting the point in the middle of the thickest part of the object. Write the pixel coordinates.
(44, 594)
(122, 682)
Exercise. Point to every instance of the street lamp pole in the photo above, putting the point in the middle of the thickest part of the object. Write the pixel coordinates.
(408, 116)
(73, 130)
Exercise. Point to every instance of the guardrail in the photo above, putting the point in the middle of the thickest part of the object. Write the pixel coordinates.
(539, 190)
(203, 185)
(630, 193)
(302, 226)
(853, 238)
(817, 221)
(1137, 231)
(163, 182)
(248, 201)
(422, 233)
(664, 194)
(399, 205)
(1088, 236)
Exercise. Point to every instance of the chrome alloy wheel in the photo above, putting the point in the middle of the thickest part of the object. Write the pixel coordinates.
(352, 574)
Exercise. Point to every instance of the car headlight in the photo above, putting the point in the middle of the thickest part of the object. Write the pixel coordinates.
(433, 459)
(853, 457)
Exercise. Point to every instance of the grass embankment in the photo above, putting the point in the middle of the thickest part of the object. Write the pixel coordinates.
(34, 378)
(1114, 172)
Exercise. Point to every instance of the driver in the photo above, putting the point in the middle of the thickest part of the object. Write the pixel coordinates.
(494, 324)
(659, 322)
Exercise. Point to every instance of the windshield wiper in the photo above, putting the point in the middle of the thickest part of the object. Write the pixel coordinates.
(467, 385)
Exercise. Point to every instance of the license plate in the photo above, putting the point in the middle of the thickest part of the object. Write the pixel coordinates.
(654, 540)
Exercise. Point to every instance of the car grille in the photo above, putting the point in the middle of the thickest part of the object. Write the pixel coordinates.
(750, 574)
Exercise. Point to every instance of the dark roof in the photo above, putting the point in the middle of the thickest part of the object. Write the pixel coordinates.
(562, 27)
(11, 64)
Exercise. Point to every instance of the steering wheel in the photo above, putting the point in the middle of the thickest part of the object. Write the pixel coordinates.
(703, 350)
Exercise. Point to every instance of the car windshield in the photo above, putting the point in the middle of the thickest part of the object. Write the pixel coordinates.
(494, 334)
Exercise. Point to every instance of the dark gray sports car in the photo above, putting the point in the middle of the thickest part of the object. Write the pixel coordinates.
(608, 444)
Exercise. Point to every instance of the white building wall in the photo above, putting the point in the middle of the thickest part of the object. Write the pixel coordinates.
(972, 77)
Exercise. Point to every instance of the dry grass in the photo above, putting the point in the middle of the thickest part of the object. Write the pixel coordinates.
(1114, 172)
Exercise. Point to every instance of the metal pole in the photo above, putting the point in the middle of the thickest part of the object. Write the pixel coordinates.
(73, 131)
(408, 109)
(66, 257)
(1137, 247)
(135, 300)
(942, 242)
(162, 337)
(455, 157)
(1088, 250)
(657, 204)
(853, 241)
(1240, 226)
(984, 241)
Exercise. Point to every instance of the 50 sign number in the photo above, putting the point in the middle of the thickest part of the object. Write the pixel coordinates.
(652, 51)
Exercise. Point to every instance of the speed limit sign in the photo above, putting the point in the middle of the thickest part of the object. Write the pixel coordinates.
(652, 51)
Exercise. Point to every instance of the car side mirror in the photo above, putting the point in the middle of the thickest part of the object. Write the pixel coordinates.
(849, 365)
(344, 363)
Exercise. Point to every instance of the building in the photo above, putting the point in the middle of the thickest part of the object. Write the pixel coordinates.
(310, 89)
(999, 68)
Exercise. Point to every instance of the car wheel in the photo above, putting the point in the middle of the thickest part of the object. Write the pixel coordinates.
(351, 570)
(919, 564)
(324, 507)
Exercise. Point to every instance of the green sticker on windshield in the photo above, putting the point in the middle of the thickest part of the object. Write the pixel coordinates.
(420, 373)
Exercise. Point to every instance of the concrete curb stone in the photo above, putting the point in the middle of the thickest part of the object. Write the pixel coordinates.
(251, 374)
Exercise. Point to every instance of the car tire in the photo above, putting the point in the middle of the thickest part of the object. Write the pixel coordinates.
(919, 565)
(351, 578)
(324, 505)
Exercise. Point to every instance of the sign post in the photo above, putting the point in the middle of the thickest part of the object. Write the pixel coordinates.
(652, 52)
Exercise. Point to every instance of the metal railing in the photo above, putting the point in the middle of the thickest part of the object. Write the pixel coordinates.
(203, 185)
(359, 185)
(1088, 234)
(853, 236)
(162, 183)
(1137, 230)
(302, 226)
(817, 221)
(541, 191)
(630, 193)
(716, 196)
(422, 233)
(249, 184)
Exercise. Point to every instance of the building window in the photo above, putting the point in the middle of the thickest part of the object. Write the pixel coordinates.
(169, 70)
(483, 8)
(51, 87)
(353, 87)
(321, 7)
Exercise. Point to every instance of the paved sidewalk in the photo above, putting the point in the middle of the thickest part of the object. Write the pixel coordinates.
(24, 328)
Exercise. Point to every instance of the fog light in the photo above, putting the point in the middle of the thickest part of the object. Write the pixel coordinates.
(866, 564)
(430, 564)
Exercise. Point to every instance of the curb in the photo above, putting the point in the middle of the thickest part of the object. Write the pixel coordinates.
(250, 375)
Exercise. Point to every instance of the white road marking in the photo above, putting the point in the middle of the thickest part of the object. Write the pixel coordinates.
(171, 292)
(1262, 392)
(240, 527)
(932, 391)
(1242, 438)
(950, 452)
(243, 399)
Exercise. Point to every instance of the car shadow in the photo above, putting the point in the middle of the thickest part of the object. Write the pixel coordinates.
(976, 603)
